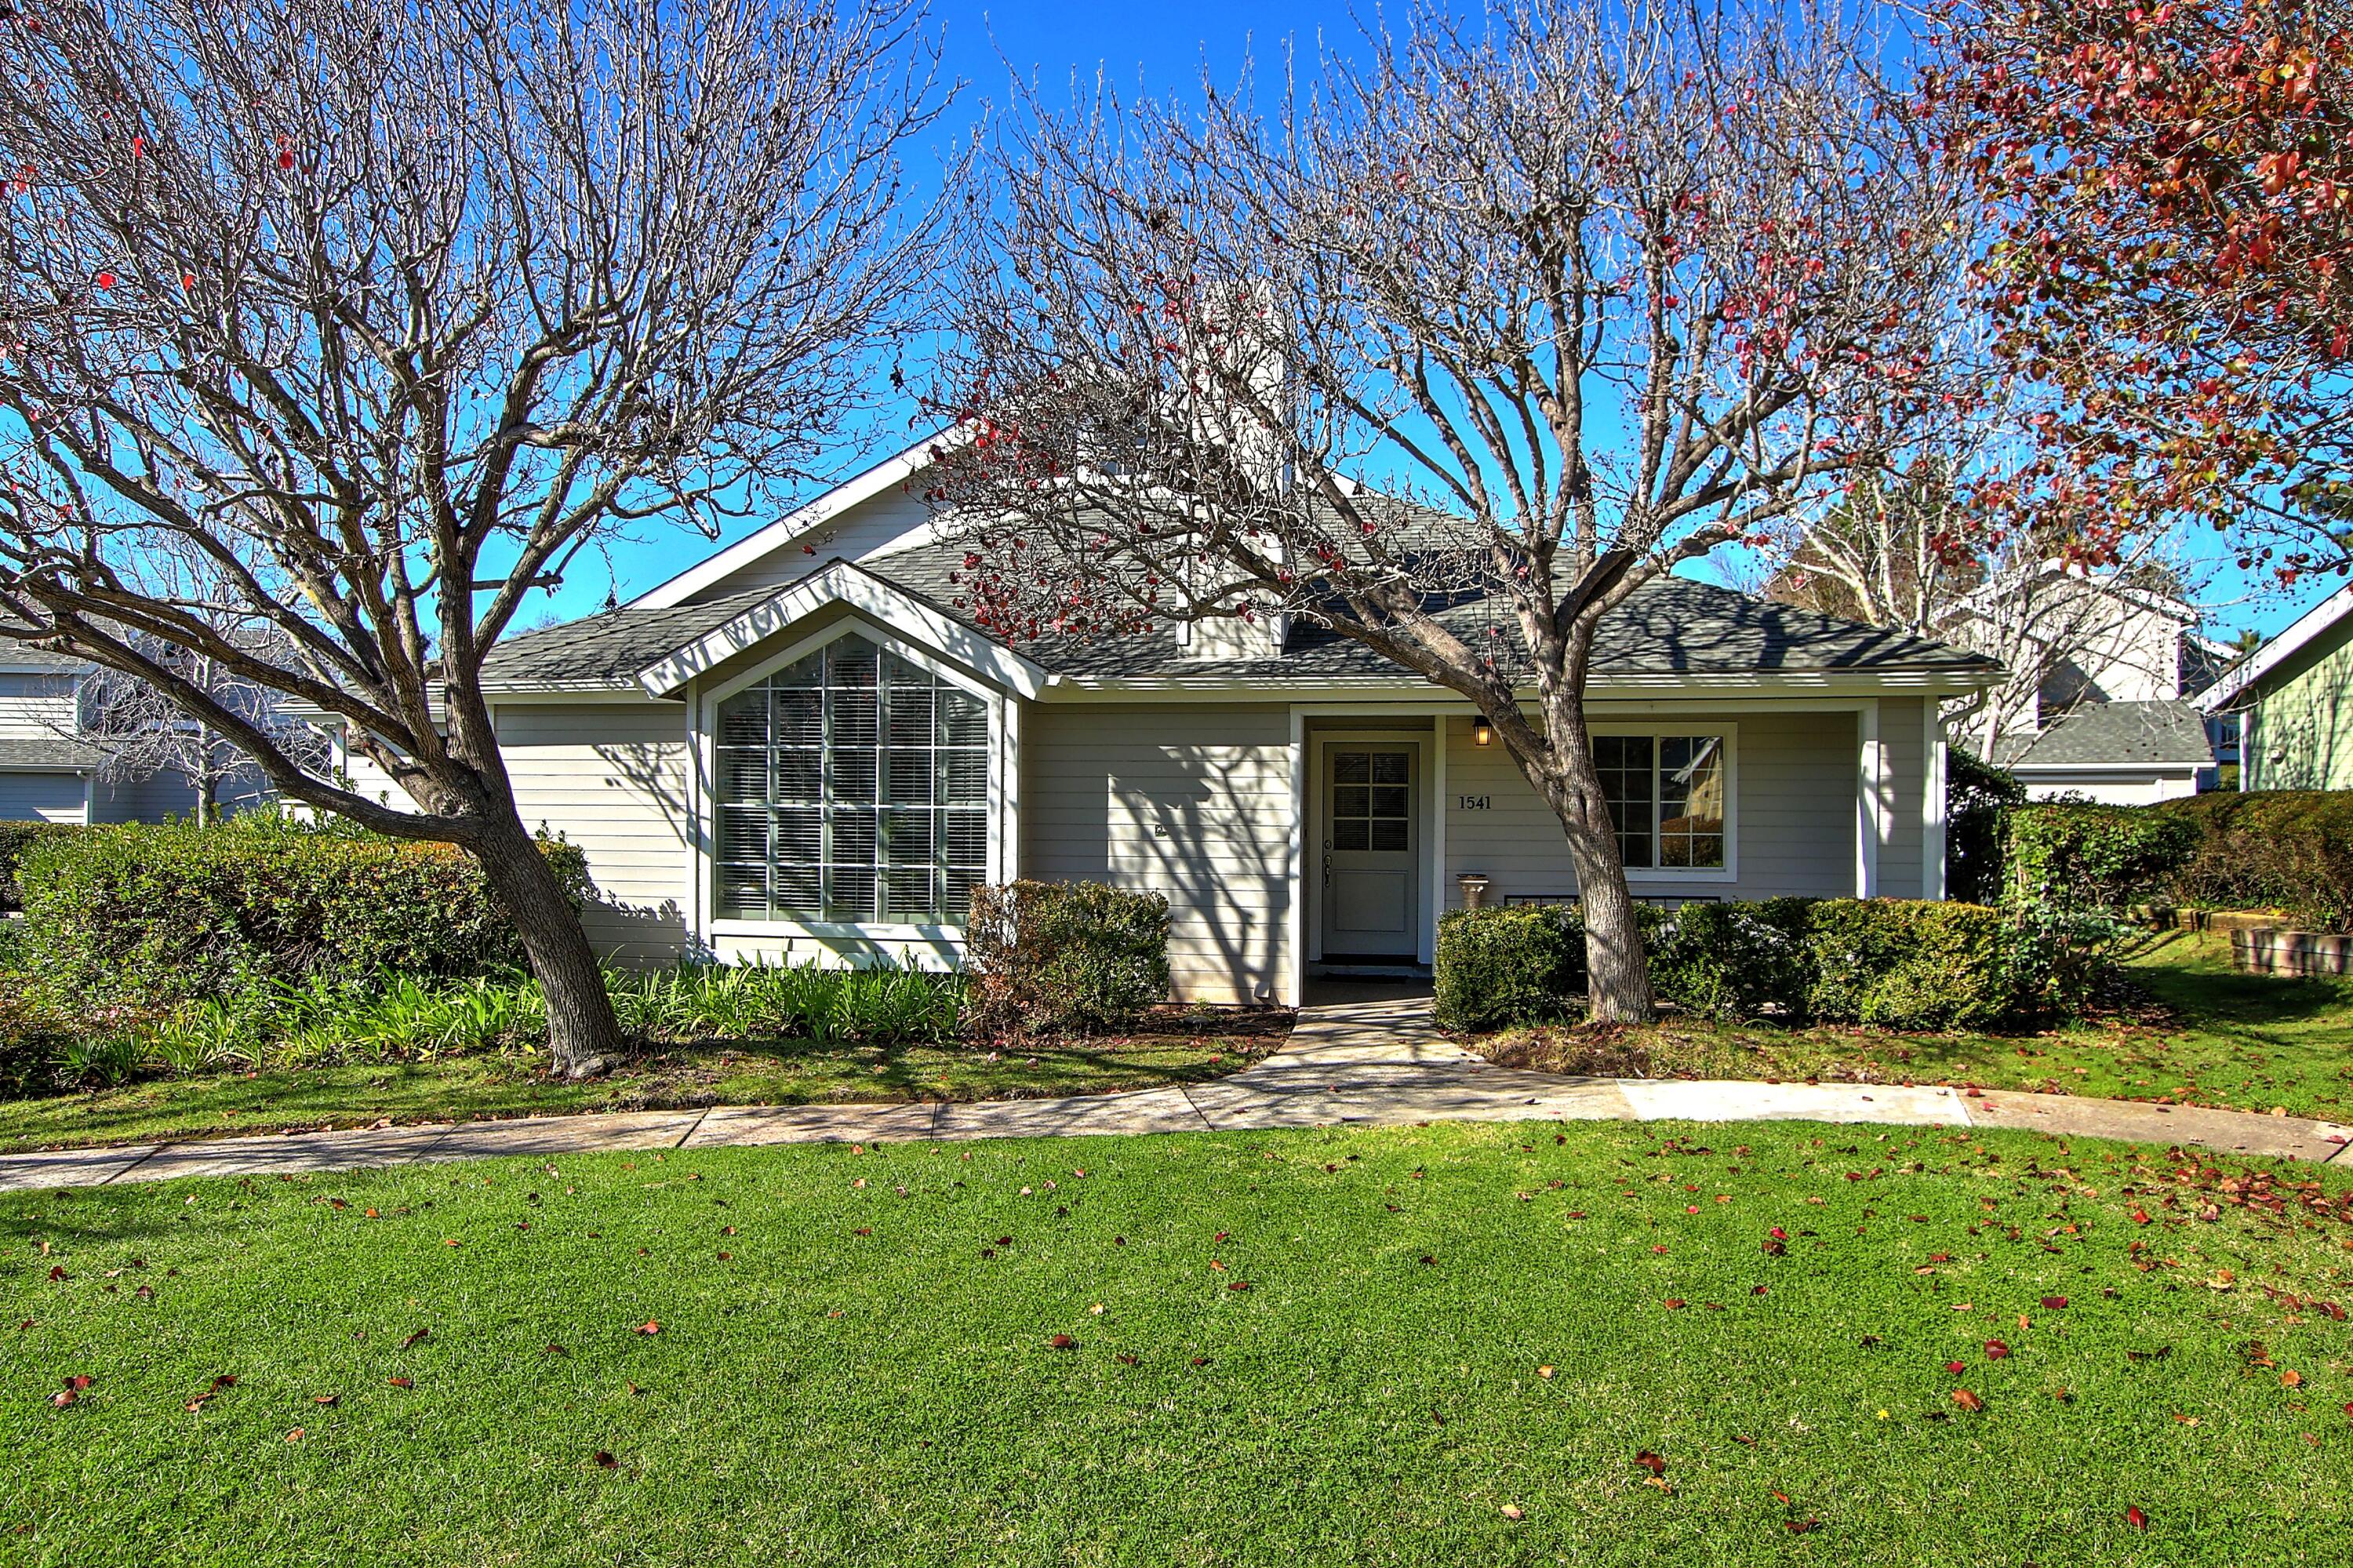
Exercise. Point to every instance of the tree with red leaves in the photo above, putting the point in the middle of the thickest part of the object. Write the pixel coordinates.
(1597, 289)
(2174, 188)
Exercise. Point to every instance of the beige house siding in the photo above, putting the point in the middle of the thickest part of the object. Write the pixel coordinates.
(1192, 800)
(863, 533)
(1796, 778)
(612, 778)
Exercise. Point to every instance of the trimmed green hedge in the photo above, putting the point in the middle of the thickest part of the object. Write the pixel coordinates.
(1077, 956)
(2086, 857)
(1895, 963)
(2272, 849)
(159, 913)
(16, 838)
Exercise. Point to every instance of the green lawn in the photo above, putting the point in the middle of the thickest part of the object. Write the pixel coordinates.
(462, 1087)
(1292, 1347)
(2204, 1036)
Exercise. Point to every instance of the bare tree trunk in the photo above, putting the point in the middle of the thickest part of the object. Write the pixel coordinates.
(583, 1036)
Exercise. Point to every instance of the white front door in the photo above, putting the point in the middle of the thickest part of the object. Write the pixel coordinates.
(1371, 851)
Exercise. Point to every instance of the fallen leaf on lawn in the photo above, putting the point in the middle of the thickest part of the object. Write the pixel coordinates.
(295, 1435)
(1995, 1350)
(400, 1383)
(1126, 1360)
(1676, 1303)
(2054, 1303)
(2291, 1379)
(1968, 1400)
(1756, 1290)
(1063, 1343)
(1238, 1285)
(58, 1273)
(1964, 1305)
(326, 1399)
(604, 1460)
(1650, 1462)
(1512, 1510)
(2134, 1517)
(1957, 1368)
(649, 1326)
(413, 1338)
(1544, 1372)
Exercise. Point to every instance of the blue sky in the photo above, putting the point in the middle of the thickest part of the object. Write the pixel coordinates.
(1164, 48)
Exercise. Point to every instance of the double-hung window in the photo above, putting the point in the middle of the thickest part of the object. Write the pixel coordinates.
(852, 787)
(1667, 796)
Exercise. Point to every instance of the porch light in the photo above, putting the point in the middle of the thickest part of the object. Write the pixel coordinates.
(1482, 732)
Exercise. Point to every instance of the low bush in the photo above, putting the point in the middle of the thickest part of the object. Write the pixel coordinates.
(1732, 960)
(16, 838)
(1893, 963)
(2272, 849)
(1979, 799)
(1076, 957)
(1907, 964)
(1522, 963)
(161, 914)
(2084, 856)
(877, 1003)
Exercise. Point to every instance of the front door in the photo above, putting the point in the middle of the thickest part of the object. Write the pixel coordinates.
(1372, 852)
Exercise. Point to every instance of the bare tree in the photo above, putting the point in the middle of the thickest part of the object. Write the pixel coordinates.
(1602, 287)
(386, 308)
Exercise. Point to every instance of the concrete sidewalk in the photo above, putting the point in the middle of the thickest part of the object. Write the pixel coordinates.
(1363, 1063)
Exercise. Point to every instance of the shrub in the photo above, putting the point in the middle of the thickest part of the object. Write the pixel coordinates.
(1064, 956)
(2087, 857)
(2272, 849)
(2060, 959)
(1979, 799)
(1520, 963)
(879, 1003)
(16, 838)
(1907, 964)
(1732, 960)
(161, 914)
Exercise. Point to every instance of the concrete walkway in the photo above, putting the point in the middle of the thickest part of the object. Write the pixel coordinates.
(1368, 1061)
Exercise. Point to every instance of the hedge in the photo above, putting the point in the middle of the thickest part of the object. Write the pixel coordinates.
(1077, 956)
(2078, 855)
(171, 912)
(1895, 963)
(2270, 848)
(16, 838)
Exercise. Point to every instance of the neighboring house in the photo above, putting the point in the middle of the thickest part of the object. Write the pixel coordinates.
(803, 747)
(53, 769)
(2100, 700)
(2294, 698)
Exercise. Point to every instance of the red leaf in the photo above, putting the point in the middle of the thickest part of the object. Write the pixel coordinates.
(604, 1460)
(1800, 1526)
(1996, 1350)
(1675, 1303)
(649, 1326)
(1968, 1400)
(1063, 1343)
(1650, 1462)
(2056, 1303)
(400, 1383)
(2134, 1517)
(106, 280)
(413, 1338)
(58, 1273)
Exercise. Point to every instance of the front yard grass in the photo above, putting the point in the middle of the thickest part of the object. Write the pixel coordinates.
(2200, 1034)
(514, 1083)
(1597, 1343)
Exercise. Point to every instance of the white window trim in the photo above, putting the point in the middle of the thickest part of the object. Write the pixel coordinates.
(1004, 731)
(1664, 726)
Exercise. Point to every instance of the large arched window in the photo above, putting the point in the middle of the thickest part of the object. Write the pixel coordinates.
(852, 787)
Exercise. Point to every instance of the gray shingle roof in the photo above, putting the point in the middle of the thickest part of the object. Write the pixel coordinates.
(1671, 627)
(58, 756)
(2097, 735)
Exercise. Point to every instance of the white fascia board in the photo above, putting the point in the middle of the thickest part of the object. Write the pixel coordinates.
(1412, 689)
(777, 535)
(840, 583)
(2272, 655)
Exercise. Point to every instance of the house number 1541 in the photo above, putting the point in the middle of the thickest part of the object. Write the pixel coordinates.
(1470, 802)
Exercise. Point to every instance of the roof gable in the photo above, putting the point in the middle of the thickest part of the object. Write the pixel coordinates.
(2331, 615)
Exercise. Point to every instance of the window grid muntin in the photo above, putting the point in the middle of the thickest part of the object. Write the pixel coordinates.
(851, 787)
(1638, 784)
(1371, 806)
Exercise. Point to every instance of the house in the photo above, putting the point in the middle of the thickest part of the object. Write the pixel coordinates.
(2100, 700)
(804, 746)
(59, 761)
(2294, 698)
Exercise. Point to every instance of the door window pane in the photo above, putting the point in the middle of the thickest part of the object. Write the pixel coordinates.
(1371, 800)
(835, 780)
